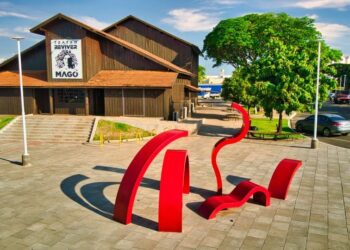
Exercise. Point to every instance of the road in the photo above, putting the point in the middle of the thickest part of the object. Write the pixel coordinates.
(340, 109)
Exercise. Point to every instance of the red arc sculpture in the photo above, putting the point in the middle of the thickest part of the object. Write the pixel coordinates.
(136, 170)
(174, 181)
(229, 140)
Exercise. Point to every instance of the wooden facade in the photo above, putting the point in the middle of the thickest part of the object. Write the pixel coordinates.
(129, 45)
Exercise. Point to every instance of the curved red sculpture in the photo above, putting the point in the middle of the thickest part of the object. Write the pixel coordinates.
(229, 140)
(236, 198)
(136, 170)
(278, 188)
(282, 178)
(174, 181)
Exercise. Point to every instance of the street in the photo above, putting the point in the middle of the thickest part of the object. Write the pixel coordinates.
(340, 109)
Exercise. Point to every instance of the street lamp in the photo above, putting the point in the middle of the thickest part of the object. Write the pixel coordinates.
(25, 156)
(314, 141)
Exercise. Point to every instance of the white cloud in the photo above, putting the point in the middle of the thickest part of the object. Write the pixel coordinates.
(93, 22)
(332, 31)
(4, 13)
(191, 19)
(336, 35)
(227, 2)
(2, 59)
(6, 33)
(313, 16)
(21, 29)
(312, 4)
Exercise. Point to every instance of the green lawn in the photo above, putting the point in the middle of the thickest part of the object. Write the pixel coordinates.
(4, 120)
(116, 131)
(267, 125)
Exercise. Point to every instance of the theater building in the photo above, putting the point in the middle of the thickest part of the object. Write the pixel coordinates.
(131, 68)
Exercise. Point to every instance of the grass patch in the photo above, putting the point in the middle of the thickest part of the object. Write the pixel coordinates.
(116, 130)
(4, 120)
(270, 126)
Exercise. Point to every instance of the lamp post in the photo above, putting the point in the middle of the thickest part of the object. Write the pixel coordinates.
(25, 156)
(314, 141)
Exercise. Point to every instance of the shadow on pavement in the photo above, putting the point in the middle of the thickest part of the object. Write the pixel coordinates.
(98, 203)
(13, 162)
(235, 180)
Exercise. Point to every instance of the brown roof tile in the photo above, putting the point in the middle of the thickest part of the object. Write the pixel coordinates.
(103, 79)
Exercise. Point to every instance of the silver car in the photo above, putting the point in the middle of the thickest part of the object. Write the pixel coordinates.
(328, 124)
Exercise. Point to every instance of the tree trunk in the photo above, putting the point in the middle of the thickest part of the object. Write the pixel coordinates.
(280, 120)
(248, 110)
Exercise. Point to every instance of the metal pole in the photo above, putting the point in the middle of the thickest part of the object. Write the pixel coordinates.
(25, 156)
(344, 81)
(314, 141)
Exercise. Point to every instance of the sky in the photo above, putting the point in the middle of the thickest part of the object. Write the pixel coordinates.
(190, 20)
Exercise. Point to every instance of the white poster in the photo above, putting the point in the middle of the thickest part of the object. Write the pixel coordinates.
(66, 59)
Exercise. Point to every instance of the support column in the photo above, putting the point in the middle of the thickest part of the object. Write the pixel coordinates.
(51, 101)
(86, 94)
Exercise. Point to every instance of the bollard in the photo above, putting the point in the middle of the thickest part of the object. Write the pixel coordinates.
(101, 139)
(120, 138)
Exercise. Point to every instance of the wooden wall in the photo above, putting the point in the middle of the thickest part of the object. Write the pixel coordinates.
(156, 42)
(115, 57)
(10, 101)
(64, 30)
(67, 108)
(34, 59)
(137, 102)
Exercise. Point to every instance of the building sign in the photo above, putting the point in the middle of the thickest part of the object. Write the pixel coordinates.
(66, 59)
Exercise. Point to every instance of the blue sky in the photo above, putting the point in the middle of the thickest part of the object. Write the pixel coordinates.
(190, 20)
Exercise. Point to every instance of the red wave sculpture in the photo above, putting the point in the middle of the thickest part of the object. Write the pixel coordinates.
(229, 140)
(278, 188)
(136, 170)
(174, 181)
(236, 198)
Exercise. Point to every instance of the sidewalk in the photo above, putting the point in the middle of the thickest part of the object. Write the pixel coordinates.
(65, 201)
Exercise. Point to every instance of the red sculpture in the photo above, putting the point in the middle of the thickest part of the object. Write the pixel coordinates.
(172, 185)
(236, 198)
(229, 140)
(282, 178)
(136, 170)
(278, 188)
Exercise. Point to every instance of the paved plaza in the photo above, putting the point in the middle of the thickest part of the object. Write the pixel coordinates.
(65, 200)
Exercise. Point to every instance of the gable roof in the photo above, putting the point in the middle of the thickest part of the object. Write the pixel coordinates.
(39, 29)
(7, 61)
(195, 48)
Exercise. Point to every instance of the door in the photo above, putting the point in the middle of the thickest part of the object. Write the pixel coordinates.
(42, 101)
(99, 101)
(69, 101)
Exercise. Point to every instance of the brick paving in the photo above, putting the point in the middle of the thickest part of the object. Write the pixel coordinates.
(65, 200)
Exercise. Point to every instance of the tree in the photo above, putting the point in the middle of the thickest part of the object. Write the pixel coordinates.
(342, 70)
(277, 54)
(201, 74)
(240, 90)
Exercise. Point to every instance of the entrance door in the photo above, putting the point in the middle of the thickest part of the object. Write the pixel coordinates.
(70, 101)
(42, 101)
(98, 101)
(134, 102)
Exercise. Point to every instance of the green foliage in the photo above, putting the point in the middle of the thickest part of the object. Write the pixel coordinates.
(201, 74)
(116, 130)
(4, 120)
(240, 90)
(341, 70)
(277, 55)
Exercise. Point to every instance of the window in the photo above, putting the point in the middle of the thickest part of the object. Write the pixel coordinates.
(70, 96)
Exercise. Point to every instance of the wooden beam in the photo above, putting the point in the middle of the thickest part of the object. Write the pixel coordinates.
(86, 94)
(51, 101)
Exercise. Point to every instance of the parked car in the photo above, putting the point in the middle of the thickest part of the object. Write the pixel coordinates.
(342, 97)
(327, 124)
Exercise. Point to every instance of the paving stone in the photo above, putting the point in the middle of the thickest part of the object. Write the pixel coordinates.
(66, 199)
